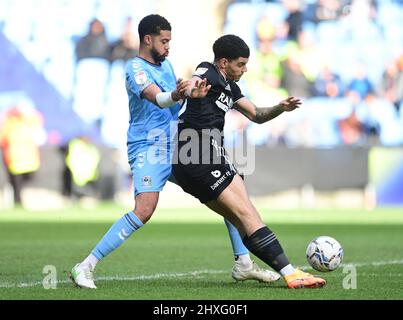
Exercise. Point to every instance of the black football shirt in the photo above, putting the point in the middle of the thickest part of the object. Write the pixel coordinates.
(209, 112)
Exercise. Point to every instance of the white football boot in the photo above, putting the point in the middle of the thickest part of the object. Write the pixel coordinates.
(240, 273)
(83, 276)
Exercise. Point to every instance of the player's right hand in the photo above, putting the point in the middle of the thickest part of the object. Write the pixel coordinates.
(290, 104)
(200, 89)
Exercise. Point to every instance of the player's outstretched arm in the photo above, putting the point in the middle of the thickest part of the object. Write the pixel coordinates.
(165, 99)
(181, 87)
(261, 115)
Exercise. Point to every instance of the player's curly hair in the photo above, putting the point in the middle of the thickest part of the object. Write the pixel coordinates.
(152, 25)
(230, 47)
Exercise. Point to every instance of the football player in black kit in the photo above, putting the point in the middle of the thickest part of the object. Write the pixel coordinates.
(204, 170)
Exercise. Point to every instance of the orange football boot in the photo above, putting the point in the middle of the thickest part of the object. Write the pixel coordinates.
(300, 279)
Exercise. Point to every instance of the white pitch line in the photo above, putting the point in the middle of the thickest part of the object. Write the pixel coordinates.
(374, 264)
(183, 274)
(117, 278)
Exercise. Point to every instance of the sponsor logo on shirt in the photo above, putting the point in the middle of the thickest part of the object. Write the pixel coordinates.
(216, 173)
(224, 102)
(221, 180)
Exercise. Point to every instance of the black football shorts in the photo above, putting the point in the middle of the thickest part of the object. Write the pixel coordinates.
(202, 169)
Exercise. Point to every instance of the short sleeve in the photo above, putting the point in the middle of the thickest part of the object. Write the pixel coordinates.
(206, 70)
(236, 92)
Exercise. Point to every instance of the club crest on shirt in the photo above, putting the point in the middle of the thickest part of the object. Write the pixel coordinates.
(146, 181)
(140, 77)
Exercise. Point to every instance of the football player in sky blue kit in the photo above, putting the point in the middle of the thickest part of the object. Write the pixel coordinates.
(154, 95)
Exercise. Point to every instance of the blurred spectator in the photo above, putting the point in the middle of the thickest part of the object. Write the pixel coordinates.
(263, 80)
(264, 29)
(267, 65)
(294, 80)
(367, 112)
(21, 133)
(351, 129)
(360, 23)
(282, 46)
(66, 178)
(265, 71)
(327, 10)
(392, 83)
(364, 10)
(400, 61)
(127, 46)
(328, 84)
(295, 18)
(360, 84)
(380, 120)
(309, 57)
(94, 44)
(82, 162)
(91, 74)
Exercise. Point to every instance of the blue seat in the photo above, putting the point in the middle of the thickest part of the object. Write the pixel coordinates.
(89, 92)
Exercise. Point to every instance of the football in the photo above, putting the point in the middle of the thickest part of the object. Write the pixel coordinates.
(324, 254)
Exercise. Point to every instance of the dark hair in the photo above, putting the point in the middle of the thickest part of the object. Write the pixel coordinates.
(230, 47)
(152, 25)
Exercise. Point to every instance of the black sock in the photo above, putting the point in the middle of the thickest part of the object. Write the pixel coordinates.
(264, 245)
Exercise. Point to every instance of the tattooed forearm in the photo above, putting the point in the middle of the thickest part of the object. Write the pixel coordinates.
(266, 114)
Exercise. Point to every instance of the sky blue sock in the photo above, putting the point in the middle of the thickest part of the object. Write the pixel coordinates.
(117, 234)
(237, 245)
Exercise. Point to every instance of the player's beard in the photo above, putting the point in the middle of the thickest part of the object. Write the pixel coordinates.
(156, 56)
(238, 77)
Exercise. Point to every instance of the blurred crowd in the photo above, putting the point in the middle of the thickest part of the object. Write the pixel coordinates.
(99, 92)
(343, 57)
(22, 134)
(95, 44)
(80, 50)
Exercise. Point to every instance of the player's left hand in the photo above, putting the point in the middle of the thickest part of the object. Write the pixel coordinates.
(290, 104)
(200, 89)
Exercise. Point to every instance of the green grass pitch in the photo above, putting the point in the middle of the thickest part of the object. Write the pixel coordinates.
(186, 255)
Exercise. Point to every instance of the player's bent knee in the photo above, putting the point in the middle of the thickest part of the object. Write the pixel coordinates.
(145, 206)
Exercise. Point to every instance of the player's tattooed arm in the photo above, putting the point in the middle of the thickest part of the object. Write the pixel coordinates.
(262, 115)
